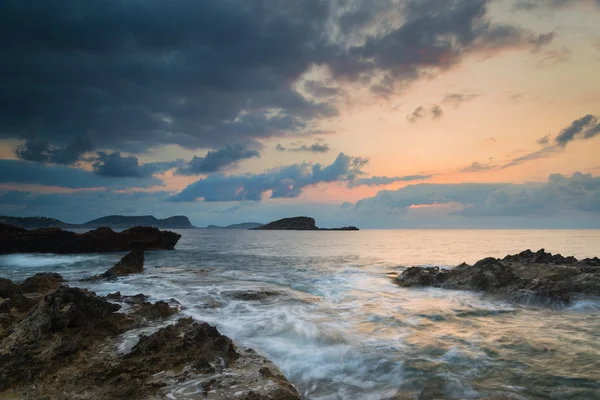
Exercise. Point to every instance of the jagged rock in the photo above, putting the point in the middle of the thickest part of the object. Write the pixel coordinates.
(67, 322)
(54, 240)
(132, 263)
(522, 275)
(191, 359)
(12, 298)
(42, 283)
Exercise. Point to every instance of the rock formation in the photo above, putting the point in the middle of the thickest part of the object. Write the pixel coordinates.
(298, 224)
(54, 240)
(132, 263)
(540, 274)
(65, 345)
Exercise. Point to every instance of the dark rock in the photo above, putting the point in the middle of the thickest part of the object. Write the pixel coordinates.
(12, 298)
(54, 240)
(421, 276)
(298, 224)
(67, 322)
(520, 276)
(290, 224)
(250, 295)
(132, 263)
(42, 283)
(70, 358)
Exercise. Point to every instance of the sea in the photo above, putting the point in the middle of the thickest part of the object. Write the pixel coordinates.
(339, 328)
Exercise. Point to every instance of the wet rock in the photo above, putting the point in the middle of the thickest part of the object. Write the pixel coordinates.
(12, 298)
(251, 295)
(187, 359)
(520, 276)
(14, 239)
(67, 322)
(42, 283)
(421, 276)
(132, 263)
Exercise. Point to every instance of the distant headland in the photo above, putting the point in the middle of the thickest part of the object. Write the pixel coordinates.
(111, 221)
(298, 224)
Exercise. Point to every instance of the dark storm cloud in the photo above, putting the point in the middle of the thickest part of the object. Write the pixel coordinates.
(285, 182)
(43, 152)
(133, 75)
(318, 89)
(25, 172)
(313, 148)
(116, 166)
(214, 161)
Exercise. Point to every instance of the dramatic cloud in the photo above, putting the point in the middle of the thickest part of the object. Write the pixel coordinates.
(386, 180)
(25, 172)
(218, 160)
(43, 152)
(116, 166)
(558, 196)
(313, 148)
(134, 75)
(283, 182)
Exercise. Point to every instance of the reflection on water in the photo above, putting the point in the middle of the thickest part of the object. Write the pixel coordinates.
(338, 327)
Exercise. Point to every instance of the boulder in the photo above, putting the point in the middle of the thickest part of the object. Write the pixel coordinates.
(54, 240)
(132, 263)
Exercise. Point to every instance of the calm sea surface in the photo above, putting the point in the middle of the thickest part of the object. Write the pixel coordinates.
(342, 330)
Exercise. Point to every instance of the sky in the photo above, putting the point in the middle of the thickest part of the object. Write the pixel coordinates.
(379, 114)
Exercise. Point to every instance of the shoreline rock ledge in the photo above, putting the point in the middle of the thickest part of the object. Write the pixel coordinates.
(520, 276)
(14, 239)
(66, 343)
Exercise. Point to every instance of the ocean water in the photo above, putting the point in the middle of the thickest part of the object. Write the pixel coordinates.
(340, 329)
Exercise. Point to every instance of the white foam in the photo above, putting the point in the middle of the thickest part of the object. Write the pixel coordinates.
(42, 260)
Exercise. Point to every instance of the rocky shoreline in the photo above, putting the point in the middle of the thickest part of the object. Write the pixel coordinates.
(60, 342)
(522, 276)
(14, 239)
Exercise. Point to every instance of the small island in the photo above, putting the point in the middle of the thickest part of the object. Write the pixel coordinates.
(298, 224)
